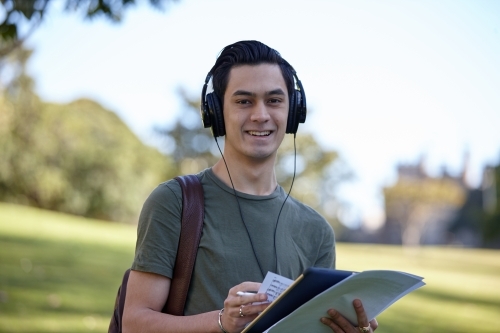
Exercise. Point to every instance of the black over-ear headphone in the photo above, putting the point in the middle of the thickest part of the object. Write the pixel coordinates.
(212, 115)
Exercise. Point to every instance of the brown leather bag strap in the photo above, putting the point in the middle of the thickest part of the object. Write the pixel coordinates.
(115, 325)
(193, 209)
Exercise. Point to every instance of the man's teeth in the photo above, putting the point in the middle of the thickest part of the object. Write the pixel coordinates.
(265, 133)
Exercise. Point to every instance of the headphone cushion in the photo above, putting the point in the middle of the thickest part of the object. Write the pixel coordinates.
(204, 110)
(301, 108)
(216, 115)
(291, 126)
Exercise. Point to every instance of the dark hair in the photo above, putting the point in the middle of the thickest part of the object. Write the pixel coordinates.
(248, 52)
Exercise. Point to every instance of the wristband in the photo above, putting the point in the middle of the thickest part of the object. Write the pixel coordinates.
(220, 321)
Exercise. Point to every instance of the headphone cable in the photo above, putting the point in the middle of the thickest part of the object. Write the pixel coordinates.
(239, 208)
(279, 214)
(289, 191)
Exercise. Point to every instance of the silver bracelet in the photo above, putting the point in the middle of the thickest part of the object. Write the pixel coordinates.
(220, 321)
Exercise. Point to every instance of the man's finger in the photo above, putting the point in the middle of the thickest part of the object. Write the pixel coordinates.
(363, 324)
(374, 324)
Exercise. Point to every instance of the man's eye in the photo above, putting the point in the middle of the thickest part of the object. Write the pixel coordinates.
(243, 101)
(274, 100)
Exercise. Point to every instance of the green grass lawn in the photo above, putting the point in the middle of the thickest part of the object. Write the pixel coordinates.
(60, 273)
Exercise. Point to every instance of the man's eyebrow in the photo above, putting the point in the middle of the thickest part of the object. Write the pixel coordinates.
(243, 93)
(278, 91)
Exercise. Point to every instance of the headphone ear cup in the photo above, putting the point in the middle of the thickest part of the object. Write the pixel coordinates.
(301, 107)
(216, 115)
(204, 110)
(205, 114)
(292, 121)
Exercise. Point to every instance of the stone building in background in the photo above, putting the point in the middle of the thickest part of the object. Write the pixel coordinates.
(444, 210)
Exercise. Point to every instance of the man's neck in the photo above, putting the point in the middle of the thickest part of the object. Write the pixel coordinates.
(251, 177)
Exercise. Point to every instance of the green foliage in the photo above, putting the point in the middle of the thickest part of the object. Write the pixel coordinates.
(490, 222)
(82, 159)
(60, 273)
(319, 172)
(428, 191)
(15, 12)
(31, 12)
(413, 203)
(110, 9)
(191, 146)
(77, 158)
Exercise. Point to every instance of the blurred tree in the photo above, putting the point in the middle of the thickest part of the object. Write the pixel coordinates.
(318, 171)
(413, 203)
(191, 146)
(28, 14)
(490, 225)
(77, 158)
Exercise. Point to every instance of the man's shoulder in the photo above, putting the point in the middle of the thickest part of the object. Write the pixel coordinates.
(167, 188)
(302, 208)
(172, 186)
(306, 213)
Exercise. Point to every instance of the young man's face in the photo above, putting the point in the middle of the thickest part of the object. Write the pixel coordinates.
(255, 111)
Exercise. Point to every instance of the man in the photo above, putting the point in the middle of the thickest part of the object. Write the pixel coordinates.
(251, 226)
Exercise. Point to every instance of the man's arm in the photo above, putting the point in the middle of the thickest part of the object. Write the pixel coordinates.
(147, 293)
(146, 296)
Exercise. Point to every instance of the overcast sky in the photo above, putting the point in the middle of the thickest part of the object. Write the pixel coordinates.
(386, 81)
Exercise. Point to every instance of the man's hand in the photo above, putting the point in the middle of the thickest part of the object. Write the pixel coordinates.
(239, 310)
(339, 324)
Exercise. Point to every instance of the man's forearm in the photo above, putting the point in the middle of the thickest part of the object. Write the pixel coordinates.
(148, 320)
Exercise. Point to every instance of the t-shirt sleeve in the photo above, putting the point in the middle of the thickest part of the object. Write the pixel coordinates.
(158, 230)
(327, 253)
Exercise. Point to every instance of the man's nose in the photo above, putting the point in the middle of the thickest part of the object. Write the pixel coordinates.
(260, 112)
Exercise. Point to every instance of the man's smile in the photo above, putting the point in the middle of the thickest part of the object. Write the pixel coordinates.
(257, 133)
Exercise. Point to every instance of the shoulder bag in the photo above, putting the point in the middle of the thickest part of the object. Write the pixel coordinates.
(191, 227)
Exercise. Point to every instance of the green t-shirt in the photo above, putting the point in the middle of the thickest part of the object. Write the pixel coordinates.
(225, 257)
